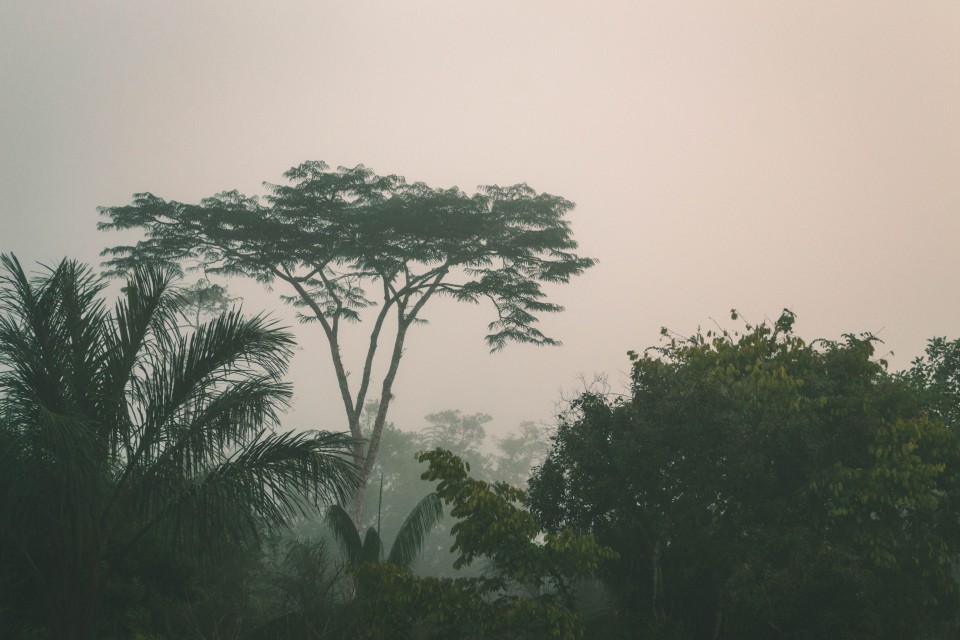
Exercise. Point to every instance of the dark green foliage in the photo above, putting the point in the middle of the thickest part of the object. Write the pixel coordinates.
(120, 435)
(401, 606)
(301, 594)
(406, 545)
(465, 436)
(759, 486)
(348, 226)
(528, 594)
(938, 374)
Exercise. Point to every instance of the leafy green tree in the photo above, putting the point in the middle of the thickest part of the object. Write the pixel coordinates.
(528, 595)
(348, 240)
(755, 485)
(116, 429)
(937, 372)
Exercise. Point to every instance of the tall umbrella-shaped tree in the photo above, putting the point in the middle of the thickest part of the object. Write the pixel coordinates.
(114, 426)
(347, 243)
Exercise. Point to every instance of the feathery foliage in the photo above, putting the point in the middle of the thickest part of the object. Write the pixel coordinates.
(115, 426)
(349, 242)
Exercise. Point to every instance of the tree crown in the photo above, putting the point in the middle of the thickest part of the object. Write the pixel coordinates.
(337, 234)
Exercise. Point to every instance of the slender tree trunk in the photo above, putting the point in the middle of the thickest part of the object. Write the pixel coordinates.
(356, 512)
(359, 456)
(365, 457)
(656, 566)
(373, 446)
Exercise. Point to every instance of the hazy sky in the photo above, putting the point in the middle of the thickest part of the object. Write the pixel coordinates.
(756, 155)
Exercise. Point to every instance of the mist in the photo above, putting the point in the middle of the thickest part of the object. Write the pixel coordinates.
(802, 155)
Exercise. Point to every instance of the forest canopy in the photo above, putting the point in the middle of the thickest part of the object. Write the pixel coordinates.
(757, 485)
(750, 484)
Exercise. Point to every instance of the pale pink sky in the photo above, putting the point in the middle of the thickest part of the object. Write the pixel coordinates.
(739, 154)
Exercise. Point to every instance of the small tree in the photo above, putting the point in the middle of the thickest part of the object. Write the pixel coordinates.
(463, 434)
(349, 240)
(520, 452)
(203, 300)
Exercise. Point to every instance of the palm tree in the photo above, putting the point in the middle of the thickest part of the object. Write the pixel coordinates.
(406, 545)
(115, 426)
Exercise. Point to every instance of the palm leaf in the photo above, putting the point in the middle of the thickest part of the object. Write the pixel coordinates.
(344, 532)
(49, 338)
(410, 538)
(142, 328)
(219, 421)
(271, 480)
(50, 351)
(229, 352)
(372, 550)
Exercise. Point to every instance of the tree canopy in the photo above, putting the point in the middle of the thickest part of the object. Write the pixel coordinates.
(756, 485)
(346, 241)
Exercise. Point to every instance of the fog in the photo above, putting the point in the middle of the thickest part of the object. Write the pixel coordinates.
(753, 155)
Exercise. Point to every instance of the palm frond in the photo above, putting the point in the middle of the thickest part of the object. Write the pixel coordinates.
(50, 351)
(54, 462)
(266, 483)
(50, 337)
(344, 532)
(202, 430)
(141, 329)
(230, 340)
(410, 538)
(282, 468)
(217, 356)
(372, 550)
